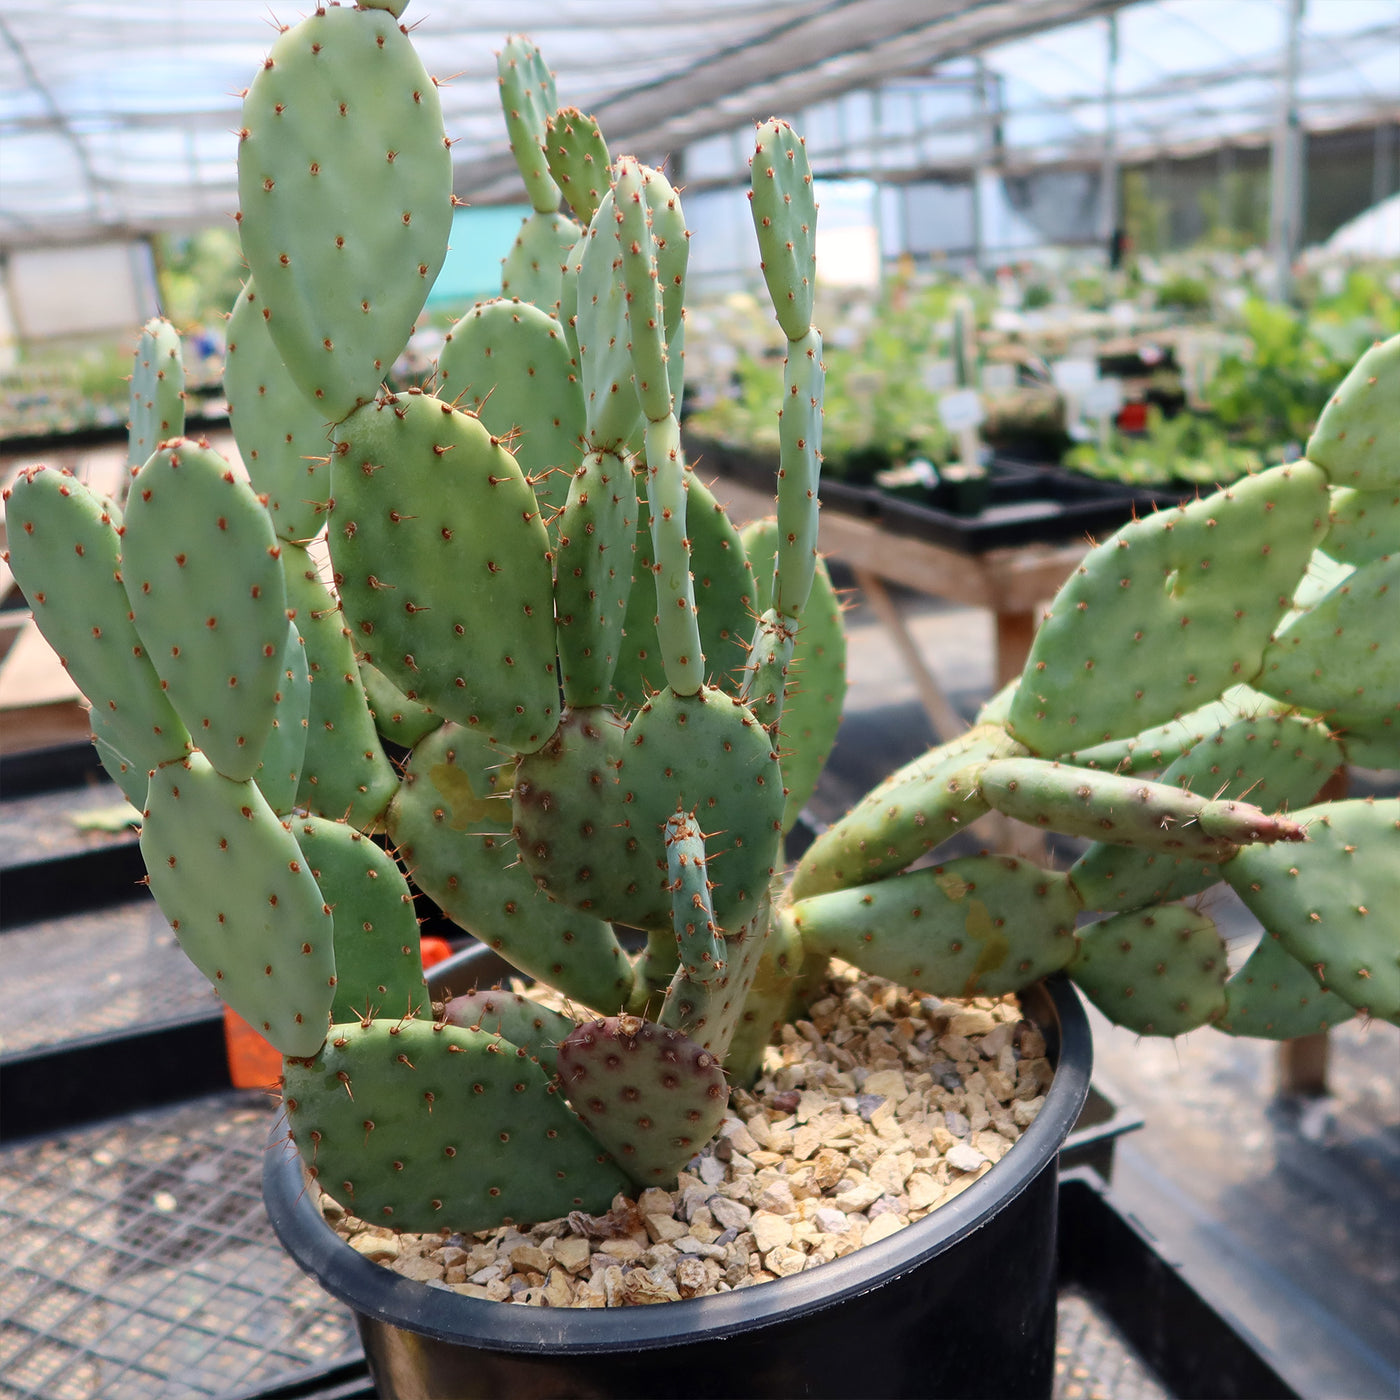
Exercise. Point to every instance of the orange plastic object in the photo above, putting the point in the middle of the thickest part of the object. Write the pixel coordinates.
(252, 1062)
(434, 950)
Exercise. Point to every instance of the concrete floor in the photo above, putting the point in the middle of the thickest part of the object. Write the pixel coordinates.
(1285, 1212)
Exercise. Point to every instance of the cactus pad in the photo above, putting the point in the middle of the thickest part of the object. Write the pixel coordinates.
(652, 1096)
(157, 391)
(1354, 441)
(1275, 997)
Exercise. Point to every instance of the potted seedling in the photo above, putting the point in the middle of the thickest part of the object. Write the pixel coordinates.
(612, 705)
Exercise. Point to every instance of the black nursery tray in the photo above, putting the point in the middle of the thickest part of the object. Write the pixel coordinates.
(1029, 503)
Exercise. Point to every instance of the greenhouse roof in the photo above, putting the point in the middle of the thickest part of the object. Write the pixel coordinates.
(119, 115)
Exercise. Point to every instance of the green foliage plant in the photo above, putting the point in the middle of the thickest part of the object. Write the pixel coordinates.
(614, 703)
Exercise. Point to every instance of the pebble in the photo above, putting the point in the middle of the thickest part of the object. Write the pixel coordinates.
(880, 1108)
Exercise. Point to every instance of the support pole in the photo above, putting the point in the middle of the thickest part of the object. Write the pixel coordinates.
(1108, 171)
(1285, 169)
(982, 139)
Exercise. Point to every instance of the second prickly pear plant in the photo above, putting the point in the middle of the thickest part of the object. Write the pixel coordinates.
(609, 704)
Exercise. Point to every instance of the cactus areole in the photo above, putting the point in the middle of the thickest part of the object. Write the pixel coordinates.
(615, 701)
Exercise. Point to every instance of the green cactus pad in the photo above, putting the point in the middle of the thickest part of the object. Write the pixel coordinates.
(1340, 654)
(1279, 761)
(1364, 525)
(453, 833)
(508, 363)
(282, 435)
(1354, 441)
(397, 718)
(442, 565)
(132, 778)
(914, 810)
(157, 391)
(816, 679)
(279, 771)
(533, 270)
(725, 592)
(345, 198)
(1274, 997)
(527, 99)
(231, 880)
(977, 926)
(699, 943)
(646, 329)
(344, 773)
(578, 159)
(651, 1096)
(1169, 611)
(785, 218)
(1370, 743)
(534, 1028)
(420, 1126)
(1126, 811)
(1159, 971)
(799, 472)
(593, 575)
(766, 676)
(378, 962)
(1332, 900)
(193, 527)
(65, 553)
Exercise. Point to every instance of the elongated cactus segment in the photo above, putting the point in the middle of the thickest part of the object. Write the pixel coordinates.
(533, 1028)
(1159, 971)
(191, 527)
(976, 926)
(1354, 441)
(1363, 525)
(724, 588)
(699, 941)
(614, 417)
(651, 1096)
(799, 471)
(452, 828)
(641, 283)
(677, 616)
(1280, 761)
(527, 99)
(816, 675)
(282, 435)
(1274, 997)
(508, 363)
(1332, 900)
(913, 811)
(157, 410)
(577, 156)
(1126, 811)
(66, 554)
(593, 576)
(378, 963)
(442, 566)
(132, 778)
(417, 1125)
(785, 217)
(345, 199)
(231, 880)
(1339, 654)
(1162, 744)
(1168, 612)
(766, 675)
(344, 772)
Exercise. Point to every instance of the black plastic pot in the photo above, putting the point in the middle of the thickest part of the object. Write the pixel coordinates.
(962, 1303)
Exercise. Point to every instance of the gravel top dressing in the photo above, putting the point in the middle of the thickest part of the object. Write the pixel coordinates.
(869, 1114)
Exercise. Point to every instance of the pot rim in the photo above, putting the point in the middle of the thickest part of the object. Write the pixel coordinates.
(379, 1293)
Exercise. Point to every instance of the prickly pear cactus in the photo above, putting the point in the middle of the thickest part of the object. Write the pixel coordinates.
(499, 640)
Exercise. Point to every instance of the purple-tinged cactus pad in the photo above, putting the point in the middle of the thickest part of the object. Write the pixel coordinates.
(652, 1096)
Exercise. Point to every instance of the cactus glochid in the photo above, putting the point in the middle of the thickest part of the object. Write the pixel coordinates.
(614, 702)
